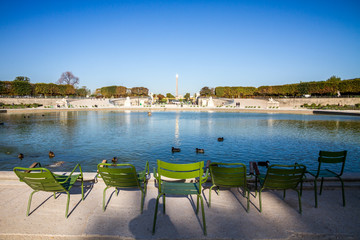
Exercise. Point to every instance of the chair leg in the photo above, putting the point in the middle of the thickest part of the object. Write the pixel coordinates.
(321, 185)
(67, 204)
(117, 191)
(210, 195)
(315, 190)
(248, 200)
(164, 203)
(197, 204)
(54, 195)
(284, 194)
(104, 193)
(301, 187)
(142, 200)
(260, 200)
(82, 189)
(29, 203)
(299, 196)
(155, 214)
(343, 191)
(203, 214)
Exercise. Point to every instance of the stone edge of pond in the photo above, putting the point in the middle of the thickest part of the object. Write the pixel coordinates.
(187, 109)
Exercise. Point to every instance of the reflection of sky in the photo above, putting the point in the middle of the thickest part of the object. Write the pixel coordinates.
(134, 137)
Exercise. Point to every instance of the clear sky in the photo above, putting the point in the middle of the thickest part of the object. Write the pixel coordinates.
(208, 43)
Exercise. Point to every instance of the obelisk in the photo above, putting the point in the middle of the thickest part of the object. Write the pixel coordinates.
(177, 95)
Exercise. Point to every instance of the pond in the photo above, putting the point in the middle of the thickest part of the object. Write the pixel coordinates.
(88, 137)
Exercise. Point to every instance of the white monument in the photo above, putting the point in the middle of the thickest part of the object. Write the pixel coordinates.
(210, 102)
(127, 102)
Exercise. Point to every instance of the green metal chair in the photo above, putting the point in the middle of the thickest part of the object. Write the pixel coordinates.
(228, 175)
(180, 172)
(283, 177)
(42, 179)
(325, 160)
(123, 176)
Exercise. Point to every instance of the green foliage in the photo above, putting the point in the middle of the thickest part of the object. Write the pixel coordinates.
(17, 106)
(207, 92)
(139, 91)
(22, 78)
(234, 92)
(351, 86)
(82, 92)
(187, 96)
(334, 79)
(21, 88)
(331, 107)
(169, 95)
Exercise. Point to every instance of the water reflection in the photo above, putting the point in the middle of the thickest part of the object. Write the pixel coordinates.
(89, 137)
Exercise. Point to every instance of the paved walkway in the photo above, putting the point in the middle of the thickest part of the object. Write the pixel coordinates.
(226, 219)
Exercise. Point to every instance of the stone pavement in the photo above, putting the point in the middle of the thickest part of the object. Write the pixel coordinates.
(226, 219)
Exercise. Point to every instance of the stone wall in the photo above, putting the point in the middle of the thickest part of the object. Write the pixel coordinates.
(43, 101)
(297, 102)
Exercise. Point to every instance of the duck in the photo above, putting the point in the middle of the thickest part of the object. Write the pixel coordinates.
(175, 149)
(220, 139)
(51, 154)
(21, 156)
(200, 150)
(114, 159)
(149, 114)
(57, 164)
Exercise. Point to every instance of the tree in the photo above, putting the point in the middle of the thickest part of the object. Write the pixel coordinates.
(187, 96)
(206, 92)
(169, 95)
(22, 78)
(334, 79)
(68, 78)
(21, 86)
(160, 97)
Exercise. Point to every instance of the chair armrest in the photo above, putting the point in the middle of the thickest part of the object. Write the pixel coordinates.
(144, 173)
(156, 175)
(205, 177)
(35, 164)
(81, 173)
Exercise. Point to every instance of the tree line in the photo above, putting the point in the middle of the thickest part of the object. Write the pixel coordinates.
(21, 86)
(121, 91)
(331, 87)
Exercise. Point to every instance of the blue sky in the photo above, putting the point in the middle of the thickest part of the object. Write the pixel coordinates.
(208, 43)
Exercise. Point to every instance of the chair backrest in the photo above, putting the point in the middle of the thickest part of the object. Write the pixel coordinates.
(39, 179)
(284, 176)
(332, 158)
(228, 174)
(180, 171)
(119, 175)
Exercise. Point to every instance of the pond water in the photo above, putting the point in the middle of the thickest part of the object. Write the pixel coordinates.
(134, 137)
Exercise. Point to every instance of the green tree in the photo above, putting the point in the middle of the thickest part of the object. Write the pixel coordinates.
(169, 95)
(207, 92)
(187, 96)
(21, 88)
(22, 78)
(334, 79)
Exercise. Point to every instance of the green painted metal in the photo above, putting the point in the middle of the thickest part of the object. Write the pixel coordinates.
(124, 176)
(42, 179)
(283, 177)
(229, 175)
(326, 159)
(173, 172)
